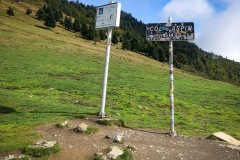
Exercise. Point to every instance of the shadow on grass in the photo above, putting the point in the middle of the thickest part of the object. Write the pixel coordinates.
(6, 110)
(75, 115)
(42, 27)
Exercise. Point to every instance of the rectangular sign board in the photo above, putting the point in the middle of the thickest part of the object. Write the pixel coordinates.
(108, 16)
(174, 32)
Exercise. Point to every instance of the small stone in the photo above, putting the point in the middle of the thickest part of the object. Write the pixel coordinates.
(43, 144)
(99, 154)
(107, 137)
(104, 158)
(115, 151)
(10, 157)
(64, 123)
(132, 148)
(118, 138)
(140, 107)
(81, 128)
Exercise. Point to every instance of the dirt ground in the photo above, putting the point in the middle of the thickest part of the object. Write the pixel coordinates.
(149, 144)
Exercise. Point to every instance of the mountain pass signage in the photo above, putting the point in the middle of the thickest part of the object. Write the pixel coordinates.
(108, 16)
(170, 32)
(183, 31)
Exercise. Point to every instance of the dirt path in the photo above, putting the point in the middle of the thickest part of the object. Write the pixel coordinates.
(149, 144)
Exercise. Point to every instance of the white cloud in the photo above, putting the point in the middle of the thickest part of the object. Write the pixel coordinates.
(221, 33)
(186, 10)
(216, 31)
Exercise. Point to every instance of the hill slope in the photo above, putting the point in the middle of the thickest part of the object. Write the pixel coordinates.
(187, 56)
(50, 75)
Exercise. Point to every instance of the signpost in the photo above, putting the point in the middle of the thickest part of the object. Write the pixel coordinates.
(108, 16)
(170, 32)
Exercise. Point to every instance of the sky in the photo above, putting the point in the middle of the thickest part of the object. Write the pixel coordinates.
(216, 22)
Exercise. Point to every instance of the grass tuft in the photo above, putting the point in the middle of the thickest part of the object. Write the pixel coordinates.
(108, 122)
(91, 130)
(42, 152)
(127, 155)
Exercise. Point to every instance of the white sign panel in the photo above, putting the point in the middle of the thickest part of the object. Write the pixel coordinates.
(108, 16)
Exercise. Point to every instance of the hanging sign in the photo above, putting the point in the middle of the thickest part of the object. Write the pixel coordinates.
(108, 16)
(174, 32)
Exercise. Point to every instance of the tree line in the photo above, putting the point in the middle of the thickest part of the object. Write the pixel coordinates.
(80, 18)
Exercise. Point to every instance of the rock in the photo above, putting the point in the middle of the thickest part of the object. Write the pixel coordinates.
(110, 153)
(9, 157)
(118, 138)
(140, 107)
(225, 137)
(99, 154)
(115, 151)
(131, 148)
(81, 128)
(65, 123)
(43, 144)
(107, 137)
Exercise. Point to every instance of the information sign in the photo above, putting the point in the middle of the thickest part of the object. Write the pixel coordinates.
(108, 16)
(170, 32)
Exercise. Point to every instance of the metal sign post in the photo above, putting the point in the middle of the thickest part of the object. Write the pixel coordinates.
(172, 131)
(183, 31)
(104, 90)
(108, 16)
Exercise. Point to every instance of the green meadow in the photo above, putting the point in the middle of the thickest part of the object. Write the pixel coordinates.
(49, 75)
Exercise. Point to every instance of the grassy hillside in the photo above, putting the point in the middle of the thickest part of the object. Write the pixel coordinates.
(50, 75)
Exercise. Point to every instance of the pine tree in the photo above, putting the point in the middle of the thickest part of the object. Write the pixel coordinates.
(135, 45)
(28, 11)
(102, 34)
(90, 34)
(126, 45)
(68, 23)
(96, 37)
(10, 11)
(84, 29)
(41, 15)
(162, 56)
(114, 38)
(50, 20)
(77, 25)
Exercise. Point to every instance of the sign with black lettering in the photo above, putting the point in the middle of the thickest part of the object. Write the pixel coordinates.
(170, 32)
(108, 16)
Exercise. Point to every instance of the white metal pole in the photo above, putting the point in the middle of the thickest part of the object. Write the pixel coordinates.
(104, 90)
(172, 131)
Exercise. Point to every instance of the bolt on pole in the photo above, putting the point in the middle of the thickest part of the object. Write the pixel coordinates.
(104, 90)
(172, 131)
